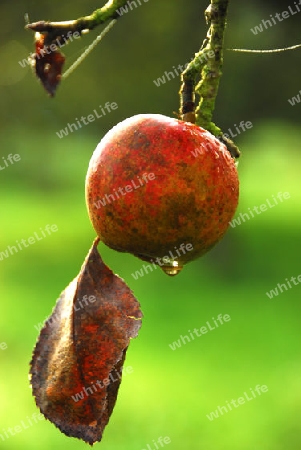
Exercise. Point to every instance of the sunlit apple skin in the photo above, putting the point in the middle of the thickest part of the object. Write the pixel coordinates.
(188, 199)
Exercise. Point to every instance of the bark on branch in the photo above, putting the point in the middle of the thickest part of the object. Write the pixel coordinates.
(64, 30)
(207, 65)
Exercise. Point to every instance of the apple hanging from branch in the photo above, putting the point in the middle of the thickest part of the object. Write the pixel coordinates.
(157, 186)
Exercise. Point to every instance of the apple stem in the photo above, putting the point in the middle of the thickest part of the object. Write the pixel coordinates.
(207, 64)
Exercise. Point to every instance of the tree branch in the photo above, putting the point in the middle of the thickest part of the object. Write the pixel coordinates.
(59, 30)
(207, 65)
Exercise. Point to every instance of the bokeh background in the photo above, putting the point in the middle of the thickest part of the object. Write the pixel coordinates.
(169, 392)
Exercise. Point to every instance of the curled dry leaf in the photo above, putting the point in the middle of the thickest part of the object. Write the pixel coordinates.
(77, 362)
(48, 64)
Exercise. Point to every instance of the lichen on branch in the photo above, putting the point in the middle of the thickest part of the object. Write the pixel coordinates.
(207, 65)
(60, 30)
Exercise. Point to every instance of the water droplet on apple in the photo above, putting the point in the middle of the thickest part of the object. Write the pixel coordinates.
(172, 269)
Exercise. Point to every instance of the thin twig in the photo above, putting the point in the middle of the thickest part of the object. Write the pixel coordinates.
(275, 50)
(88, 50)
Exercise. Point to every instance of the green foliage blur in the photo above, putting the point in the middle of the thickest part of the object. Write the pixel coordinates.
(170, 393)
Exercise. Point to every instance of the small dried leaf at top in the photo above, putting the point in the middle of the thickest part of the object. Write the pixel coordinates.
(48, 64)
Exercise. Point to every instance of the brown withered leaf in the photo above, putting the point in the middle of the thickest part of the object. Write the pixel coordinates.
(48, 64)
(77, 362)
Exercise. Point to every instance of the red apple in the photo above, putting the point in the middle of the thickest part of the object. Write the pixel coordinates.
(161, 189)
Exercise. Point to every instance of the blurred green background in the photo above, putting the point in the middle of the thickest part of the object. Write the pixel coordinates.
(169, 392)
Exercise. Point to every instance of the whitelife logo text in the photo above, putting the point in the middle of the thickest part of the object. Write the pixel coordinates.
(24, 243)
(237, 129)
(85, 120)
(296, 99)
(276, 18)
(280, 288)
(98, 385)
(169, 259)
(51, 48)
(80, 304)
(133, 184)
(198, 332)
(161, 441)
(247, 396)
(281, 196)
(9, 160)
(23, 425)
(176, 72)
(129, 6)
